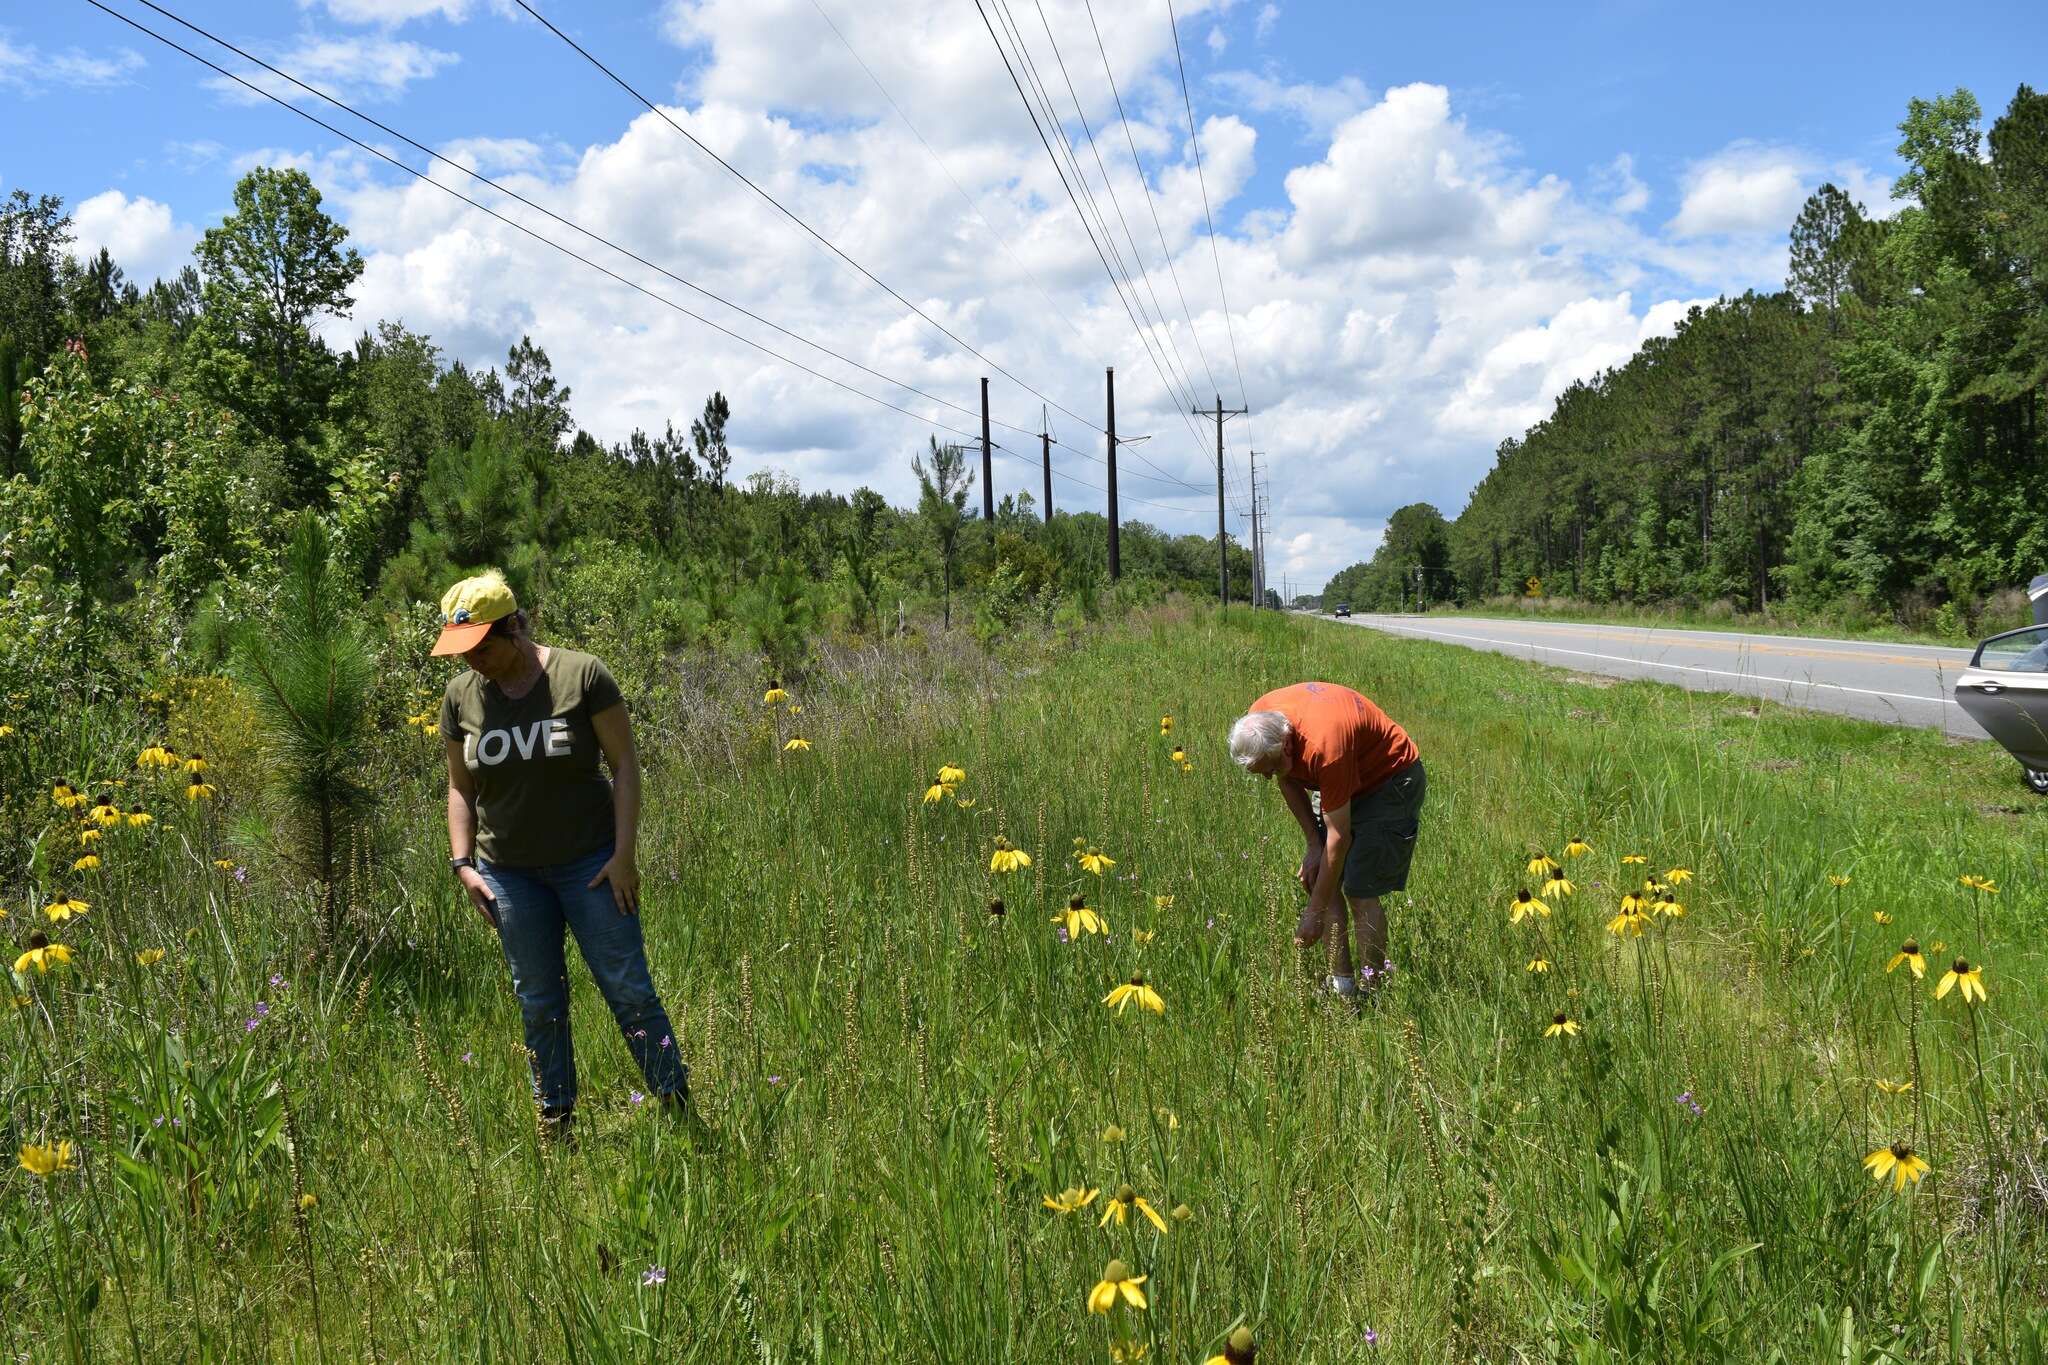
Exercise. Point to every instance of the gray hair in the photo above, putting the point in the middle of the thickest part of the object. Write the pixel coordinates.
(1258, 735)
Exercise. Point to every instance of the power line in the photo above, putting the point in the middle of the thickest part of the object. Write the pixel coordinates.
(521, 227)
(1038, 126)
(566, 222)
(1151, 201)
(939, 161)
(824, 241)
(573, 255)
(1194, 141)
(1144, 274)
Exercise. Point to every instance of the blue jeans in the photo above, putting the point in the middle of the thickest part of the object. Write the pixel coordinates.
(534, 904)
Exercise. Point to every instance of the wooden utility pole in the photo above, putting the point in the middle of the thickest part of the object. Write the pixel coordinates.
(1220, 413)
(1045, 454)
(988, 492)
(1116, 567)
(1258, 541)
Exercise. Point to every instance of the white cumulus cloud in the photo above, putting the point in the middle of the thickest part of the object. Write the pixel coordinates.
(141, 235)
(349, 67)
(1744, 190)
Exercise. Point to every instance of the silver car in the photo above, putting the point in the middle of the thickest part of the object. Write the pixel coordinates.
(2005, 690)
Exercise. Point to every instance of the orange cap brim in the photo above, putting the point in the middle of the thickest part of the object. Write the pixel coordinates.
(461, 639)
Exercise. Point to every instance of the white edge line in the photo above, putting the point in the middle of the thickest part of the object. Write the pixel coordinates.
(1683, 668)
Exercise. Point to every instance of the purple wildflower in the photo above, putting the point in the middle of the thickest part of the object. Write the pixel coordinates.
(665, 1040)
(249, 1025)
(653, 1275)
(637, 1097)
(262, 1010)
(466, 1059)
(276, 980)
(1686, 1101)
(242, 874)
(1060, 931)
(1209, 923)
(775, 1080)
(1371, 1338)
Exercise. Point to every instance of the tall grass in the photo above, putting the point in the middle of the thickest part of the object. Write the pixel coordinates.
(899, 1078)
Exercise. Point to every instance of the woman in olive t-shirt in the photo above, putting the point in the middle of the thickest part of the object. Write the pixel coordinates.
(542, 840)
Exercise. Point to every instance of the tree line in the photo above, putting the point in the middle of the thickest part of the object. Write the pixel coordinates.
(160, 447)
(1865, 442)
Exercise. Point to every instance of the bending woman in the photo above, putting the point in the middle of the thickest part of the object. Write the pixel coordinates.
(542, 840)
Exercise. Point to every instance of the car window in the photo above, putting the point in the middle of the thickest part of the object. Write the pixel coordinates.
(2023, 651)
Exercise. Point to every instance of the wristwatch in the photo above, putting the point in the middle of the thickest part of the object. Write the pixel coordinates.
(455, 865)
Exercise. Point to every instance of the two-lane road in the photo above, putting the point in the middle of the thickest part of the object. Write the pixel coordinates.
(1899, 684)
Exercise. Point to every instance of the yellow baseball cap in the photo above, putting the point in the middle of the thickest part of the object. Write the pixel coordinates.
(469, 608)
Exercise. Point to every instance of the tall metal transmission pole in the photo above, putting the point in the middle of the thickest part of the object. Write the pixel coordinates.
(1221, 413)
(1116, 569)
(988, 491)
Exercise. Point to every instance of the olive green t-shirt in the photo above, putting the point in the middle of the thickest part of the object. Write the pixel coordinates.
(541, 796)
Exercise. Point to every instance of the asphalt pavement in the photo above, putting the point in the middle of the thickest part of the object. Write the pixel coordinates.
(1897, 684)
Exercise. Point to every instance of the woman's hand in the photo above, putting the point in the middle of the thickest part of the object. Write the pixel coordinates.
(624, 879)
(480, 895)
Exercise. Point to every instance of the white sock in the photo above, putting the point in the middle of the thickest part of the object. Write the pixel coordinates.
(1343, 985)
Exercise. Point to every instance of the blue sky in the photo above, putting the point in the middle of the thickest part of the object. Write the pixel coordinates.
(1434, 217)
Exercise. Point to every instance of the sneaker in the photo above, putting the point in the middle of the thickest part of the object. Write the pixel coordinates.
(558, 1126)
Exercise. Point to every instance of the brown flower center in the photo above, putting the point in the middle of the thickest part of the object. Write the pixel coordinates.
(1557, 1018)
(1960, 967)
(1911, 947)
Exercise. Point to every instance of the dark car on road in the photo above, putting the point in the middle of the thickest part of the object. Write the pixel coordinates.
(1343, 609)
(2005, 690)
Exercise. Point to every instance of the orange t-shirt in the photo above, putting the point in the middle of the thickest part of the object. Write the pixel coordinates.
(1342, 744)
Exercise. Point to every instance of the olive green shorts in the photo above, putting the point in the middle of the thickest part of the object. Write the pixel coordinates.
(1384, 823)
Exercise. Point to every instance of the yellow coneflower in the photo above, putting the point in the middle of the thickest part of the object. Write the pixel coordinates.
(430, 731)
(1837, 881)
(1538, 964)
(964, 802)
(773, 695)
(1238, 1349)
(1071, 1199)
(1007, 858)
(139, 817)
(1113, 1134)
(1557, 886)
(1962, 974)
(1665, 905)
(1079, 919)
(6, 732)
(1893, 1087)
(952, 774)
(46, 1161)
(149, 957)
(1897, 1161)
(1525, 905)
(1122, 1202)
(67, 796)
(1166, 725)
(1162, 902)
(1577, 848)
(1141, 937)
(797, 744)
(308, 1202)
(224, 864)
(88, 837)
(1628, 922)
(1627, 858)
(105, 812)
(796, 708)
(1179, 754)
(1180, 1213)
(1186, 767)
(1136, 990)
(1096, 861)
(199, 791)
(1908, 953)
(1561, 1023)
(156, 755)
(42, 955)
(86, 863)
(1984, 884)
(936, 792)
(1543, 865)
(1117, 1282)
(1633, 901)
(1938, 946)
(196, 764)
(64, 907)
(1881, 917)
(1678, 875)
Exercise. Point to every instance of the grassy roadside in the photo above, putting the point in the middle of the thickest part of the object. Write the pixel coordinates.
(900, 1078)
(1742, 624)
